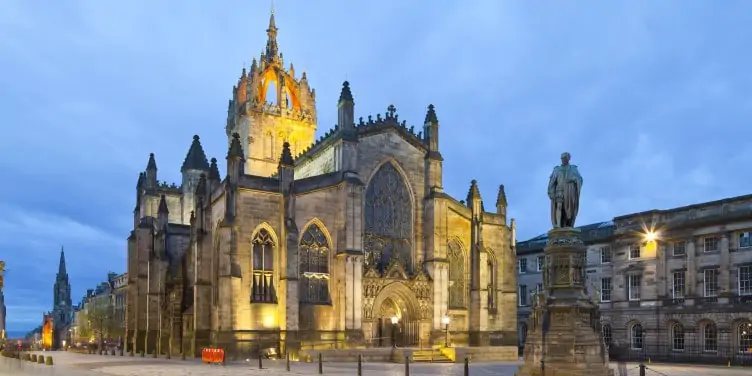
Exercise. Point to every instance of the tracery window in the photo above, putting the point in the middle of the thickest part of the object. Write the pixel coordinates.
(314, 266)
(457, 291)
(262, 285)
(388, 220)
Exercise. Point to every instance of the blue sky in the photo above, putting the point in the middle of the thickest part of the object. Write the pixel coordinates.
(652, 99)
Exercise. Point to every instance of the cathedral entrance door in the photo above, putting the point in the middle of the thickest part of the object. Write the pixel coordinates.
(398, 321)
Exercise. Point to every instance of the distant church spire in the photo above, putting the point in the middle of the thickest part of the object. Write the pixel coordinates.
(61, 269)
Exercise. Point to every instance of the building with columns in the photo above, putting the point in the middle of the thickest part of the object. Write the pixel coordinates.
(342, 241)
(672, 284)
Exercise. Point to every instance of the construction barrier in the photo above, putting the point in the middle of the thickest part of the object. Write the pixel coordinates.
(212, 356)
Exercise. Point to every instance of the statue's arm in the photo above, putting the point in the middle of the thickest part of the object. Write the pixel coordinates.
(579, 178)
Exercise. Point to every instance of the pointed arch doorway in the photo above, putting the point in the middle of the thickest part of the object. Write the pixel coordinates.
(397, 317)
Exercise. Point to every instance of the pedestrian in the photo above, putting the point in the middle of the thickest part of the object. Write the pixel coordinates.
(618, 353)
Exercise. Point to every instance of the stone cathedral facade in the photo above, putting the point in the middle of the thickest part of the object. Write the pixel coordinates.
(310, 242)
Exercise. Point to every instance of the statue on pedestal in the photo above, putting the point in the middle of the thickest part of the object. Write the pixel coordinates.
(564, 187)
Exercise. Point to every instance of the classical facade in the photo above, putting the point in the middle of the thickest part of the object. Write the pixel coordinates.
(671, 283)
(352, 242)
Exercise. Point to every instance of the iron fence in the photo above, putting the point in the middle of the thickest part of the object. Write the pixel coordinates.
(723, 355)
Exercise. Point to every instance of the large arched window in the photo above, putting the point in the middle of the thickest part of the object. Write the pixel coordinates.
(677, 337)
(744, 336)
(389, 219)
(314, 266)
(607, 334)
(635, 337)
(457, 290)
(262, 285)
(709, 337)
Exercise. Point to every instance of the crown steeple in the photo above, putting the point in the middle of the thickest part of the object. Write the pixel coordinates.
(272, 49)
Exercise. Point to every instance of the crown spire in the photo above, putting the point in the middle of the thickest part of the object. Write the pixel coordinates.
(272, 49)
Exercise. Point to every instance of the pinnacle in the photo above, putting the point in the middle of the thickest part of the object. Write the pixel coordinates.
(431, 115)
(235, 151)
(286, 158)
(163, 205)
(346, 94)
(474, 192)
(214, 170)
(152, 164)
(501, 198)
(196, 158)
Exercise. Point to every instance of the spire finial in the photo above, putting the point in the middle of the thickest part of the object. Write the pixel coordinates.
(272, 7)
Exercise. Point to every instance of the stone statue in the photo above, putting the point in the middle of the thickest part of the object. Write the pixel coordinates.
(564, 187)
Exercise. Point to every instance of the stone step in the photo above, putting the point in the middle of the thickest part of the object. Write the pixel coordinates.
(430, 356)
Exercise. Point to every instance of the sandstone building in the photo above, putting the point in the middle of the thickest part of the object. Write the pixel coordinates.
(672, 284)
(352, 242)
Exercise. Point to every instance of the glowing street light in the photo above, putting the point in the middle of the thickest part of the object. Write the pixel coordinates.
(651, 236)
(445, 321)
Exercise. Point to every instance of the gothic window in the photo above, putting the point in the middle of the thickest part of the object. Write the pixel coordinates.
(709, 337)
(262, 285)
(677, 337)
(388, 219)
(457, 289)
(492, 284)
(314, 266)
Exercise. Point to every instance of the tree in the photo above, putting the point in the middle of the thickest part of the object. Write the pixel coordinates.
(101, 323)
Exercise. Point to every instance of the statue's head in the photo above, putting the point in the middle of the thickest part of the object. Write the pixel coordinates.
(565, 157)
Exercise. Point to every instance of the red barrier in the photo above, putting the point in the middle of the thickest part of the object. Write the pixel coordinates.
(212, 356)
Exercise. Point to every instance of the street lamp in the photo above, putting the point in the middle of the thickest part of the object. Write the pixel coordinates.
(445, 321)
(395, 320)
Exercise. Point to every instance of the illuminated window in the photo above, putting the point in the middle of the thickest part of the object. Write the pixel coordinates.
(314, 267)
(262, 284)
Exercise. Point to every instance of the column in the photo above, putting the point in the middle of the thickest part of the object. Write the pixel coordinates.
(357, 288)
(349, 298)
(724, 280)
(691, 275)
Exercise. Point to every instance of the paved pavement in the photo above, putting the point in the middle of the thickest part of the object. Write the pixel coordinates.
(71, 364)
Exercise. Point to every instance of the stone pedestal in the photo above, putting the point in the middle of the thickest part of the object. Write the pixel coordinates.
(564, 334)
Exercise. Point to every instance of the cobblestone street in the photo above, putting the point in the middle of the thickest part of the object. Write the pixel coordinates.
(71, 364)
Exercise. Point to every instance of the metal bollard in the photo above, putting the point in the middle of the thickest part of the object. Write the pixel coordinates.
(321, 365)
(261, 362)
(642, 369)
(467, 366)
(360, 364)
(288, 361)
(407, 366)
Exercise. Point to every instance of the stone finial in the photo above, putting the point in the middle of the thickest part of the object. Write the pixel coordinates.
(214, 170)
(501, 198)
(431, 115)
(141, 178)
(346, 94)
(152, 164)
(235, 150)
(196, 158)
(286, 158)
(473, 193)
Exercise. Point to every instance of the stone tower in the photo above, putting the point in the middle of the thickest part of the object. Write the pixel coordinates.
(62, 310)
(269, 107)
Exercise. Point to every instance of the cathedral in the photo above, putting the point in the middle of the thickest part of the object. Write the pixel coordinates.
(343, 241)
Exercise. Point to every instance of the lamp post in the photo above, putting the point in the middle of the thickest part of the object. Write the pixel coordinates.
(445, 321)
(395, 320)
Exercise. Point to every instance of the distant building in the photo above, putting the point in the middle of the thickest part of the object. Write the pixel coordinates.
(62, 310)
(672, 284)
(110, 295)
(119, 296)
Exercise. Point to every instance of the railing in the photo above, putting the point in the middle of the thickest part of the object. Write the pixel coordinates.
(723, 355)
